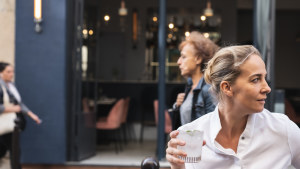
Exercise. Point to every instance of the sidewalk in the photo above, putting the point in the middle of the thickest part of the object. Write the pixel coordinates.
(5, 163)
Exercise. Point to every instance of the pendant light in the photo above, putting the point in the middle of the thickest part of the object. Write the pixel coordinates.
(208, 11)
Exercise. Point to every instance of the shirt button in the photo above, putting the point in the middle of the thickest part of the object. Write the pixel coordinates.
(243, 137)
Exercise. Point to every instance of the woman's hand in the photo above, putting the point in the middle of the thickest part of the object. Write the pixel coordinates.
(179, 100)
(172, 152)
(34, 117)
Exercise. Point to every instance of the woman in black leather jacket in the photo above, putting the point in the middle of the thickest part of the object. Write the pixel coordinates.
(196, 101)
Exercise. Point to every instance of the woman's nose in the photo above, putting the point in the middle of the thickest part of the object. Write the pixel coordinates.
(179, 61)
(266, 88)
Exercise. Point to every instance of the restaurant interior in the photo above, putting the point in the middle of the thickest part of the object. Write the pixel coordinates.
(90, 69)
(119, 66)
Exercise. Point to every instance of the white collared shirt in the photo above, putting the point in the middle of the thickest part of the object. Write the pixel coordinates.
(269, 141)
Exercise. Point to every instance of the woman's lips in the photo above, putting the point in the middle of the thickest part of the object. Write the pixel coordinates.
(262, 100)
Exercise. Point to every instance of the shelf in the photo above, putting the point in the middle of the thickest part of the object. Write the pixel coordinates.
(91, 80)
(169, 64)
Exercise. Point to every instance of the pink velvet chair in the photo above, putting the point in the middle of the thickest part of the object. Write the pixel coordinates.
(125, 110)
(291, 112)
(125, 127)
(168, 122)
(113, 122)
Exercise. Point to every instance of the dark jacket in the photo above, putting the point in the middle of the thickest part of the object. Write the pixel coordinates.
(202, 102)
(12, 99)
(24, 110)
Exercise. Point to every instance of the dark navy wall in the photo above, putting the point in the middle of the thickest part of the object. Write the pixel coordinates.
(41, 79)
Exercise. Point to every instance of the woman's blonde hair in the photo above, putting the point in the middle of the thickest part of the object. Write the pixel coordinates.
(225, 66)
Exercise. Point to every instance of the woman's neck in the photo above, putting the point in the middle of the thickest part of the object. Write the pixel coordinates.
(233, 121)
(233, 124)
(196, 78)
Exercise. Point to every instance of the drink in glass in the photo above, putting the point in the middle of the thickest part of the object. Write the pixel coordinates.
(193, 145)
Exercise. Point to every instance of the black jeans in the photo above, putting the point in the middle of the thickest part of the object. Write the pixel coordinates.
(10, 142)
(5, 144)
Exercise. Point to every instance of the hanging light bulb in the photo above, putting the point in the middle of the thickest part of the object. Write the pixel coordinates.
(203, 17)
(85, 33)
(123, 9)
(154, 19)
(206, 35)
(208, 11)
(171, 25)
(187, 33)
(106, 18)
(91, 32)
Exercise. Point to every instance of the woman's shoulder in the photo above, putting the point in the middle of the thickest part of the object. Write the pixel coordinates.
(281, 125)
(266, 114)
(276, 121)
(198, 124)
(206, 87)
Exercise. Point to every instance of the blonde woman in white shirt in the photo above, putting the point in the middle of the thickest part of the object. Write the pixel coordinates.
(240, 133)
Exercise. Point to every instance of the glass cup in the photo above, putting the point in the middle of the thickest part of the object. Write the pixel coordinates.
(193, 145)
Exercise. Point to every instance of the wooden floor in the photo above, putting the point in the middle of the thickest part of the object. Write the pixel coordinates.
(75, 167)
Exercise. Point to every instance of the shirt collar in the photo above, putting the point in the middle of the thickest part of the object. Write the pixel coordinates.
(215, 126)
(190, 83)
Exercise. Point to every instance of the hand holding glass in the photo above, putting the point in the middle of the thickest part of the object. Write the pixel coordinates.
(193, 145)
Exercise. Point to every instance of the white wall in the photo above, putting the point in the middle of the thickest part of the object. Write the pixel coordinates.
(7, 31)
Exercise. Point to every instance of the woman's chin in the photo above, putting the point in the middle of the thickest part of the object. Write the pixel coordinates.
(259, 110)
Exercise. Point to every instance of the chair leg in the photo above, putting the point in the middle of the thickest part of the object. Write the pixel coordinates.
(131, 132)
(119, 138)
(114, 133)
(124, 131)
(142, 133)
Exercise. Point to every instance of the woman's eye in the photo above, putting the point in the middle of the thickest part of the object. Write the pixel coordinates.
(255, 80)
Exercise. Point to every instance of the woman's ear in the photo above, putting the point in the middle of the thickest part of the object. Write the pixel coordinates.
(198, 60)
(226, 88)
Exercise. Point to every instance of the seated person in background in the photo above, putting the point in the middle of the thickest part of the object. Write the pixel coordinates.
(196, 51)
(240, 133)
